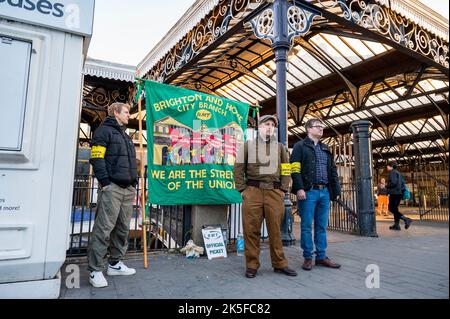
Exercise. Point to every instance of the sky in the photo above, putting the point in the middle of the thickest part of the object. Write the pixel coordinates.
(126, 31)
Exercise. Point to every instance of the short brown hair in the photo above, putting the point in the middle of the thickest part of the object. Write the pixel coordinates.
(310, 123)
(117, 107)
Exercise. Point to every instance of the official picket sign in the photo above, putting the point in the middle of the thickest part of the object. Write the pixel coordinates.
(74, 16)
(214, 243)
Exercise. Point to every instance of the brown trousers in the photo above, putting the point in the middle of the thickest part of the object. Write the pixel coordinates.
(258, 204)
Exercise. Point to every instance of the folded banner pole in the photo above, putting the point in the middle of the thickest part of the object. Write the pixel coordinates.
(141, 148)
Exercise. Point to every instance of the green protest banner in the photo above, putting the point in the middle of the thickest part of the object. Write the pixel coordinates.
(192, 140)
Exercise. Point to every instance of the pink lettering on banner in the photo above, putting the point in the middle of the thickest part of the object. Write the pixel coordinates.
(214, 141)
(230, 144)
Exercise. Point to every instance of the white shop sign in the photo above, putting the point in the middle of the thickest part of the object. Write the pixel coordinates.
(214, 243)
(74, 16)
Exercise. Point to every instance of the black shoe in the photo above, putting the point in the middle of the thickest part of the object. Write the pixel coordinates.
(408, 222)
(395, 227)
(287, 271)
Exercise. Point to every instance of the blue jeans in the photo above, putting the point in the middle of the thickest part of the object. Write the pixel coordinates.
(314, 208)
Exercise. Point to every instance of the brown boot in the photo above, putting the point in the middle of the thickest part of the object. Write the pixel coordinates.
(251, 273)
(327, 263)
(307, 264)
(286, 270)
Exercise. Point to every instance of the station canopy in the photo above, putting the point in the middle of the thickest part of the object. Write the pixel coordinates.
(383, 61)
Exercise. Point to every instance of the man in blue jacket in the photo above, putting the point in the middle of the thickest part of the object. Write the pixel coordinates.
(315, 182)
(113, 158)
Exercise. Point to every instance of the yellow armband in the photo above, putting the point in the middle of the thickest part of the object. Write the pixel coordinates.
(285, 169)
(98, 151)
(296, 167)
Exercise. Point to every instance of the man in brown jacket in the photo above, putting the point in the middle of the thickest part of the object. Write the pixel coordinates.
(262, 175)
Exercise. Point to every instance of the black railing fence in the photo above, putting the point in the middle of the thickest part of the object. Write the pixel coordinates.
(343, 212)
(168, 227)
(431, 183)
(83, 217)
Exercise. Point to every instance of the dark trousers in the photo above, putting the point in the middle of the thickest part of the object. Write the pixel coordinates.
(394, 202)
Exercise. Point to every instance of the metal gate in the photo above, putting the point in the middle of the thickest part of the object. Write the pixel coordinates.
(432, 182)
(343, 212)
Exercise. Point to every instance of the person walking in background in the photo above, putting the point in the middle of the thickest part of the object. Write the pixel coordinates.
(395, 190)
(382, 198)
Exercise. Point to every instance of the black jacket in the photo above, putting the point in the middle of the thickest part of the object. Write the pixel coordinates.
(113, 155)
(394, 185)
(304, 154)
(382, 190)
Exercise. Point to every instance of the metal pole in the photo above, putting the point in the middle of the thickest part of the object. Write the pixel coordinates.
(142, 180)
(363, 169)
(413, 188)
(281, 47)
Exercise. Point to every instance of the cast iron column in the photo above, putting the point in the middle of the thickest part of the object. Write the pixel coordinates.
(363, 171)
(281, 47)
(279, 22)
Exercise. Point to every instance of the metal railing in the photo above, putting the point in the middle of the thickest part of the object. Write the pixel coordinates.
(343, 212)
(168, 227)
(82, 219)
(343, 215)
(433, 197)
(235, 224)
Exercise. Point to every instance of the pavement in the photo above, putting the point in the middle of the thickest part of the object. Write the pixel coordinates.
(406, 264)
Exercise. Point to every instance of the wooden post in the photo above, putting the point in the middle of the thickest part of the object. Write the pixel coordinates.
(144, 222)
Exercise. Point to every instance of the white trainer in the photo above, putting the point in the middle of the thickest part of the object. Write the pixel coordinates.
(120, 269)
(97, 279)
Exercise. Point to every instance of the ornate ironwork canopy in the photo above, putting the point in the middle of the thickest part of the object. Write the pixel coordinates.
(385, 61)
(104, 83)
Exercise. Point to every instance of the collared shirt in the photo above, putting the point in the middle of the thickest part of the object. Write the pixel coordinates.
(321, 165)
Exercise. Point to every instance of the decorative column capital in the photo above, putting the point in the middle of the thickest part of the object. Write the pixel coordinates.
(361, 123)
(298, 19)
(361, 129)
(263, 25)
